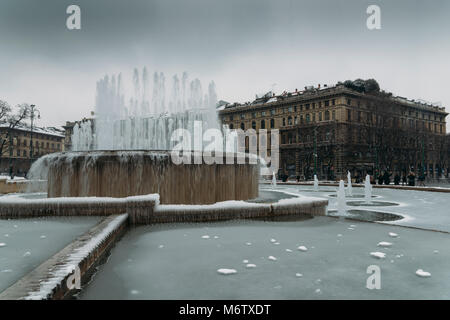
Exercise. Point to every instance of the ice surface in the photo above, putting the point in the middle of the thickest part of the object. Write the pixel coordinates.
(341, 265)
(414, 205)
(25, 248)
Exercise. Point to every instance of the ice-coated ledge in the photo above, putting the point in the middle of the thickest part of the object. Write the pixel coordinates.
(228, 210)
(49, 280)
(18, 207)
(146, 209)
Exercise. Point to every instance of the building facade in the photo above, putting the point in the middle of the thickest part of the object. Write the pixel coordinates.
(20, 146)
(352, 126)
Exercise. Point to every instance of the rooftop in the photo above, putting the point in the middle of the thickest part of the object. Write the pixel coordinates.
(271, 99)
(52, 131)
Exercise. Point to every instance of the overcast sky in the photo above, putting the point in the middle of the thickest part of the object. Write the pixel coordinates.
(245, 46)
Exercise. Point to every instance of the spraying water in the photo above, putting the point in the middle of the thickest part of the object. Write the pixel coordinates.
(138, 121)
(349, 184)
(367, 190)
(316, 183)
(341, 205)
(274, 180)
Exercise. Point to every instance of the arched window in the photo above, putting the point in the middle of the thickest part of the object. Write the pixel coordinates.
(272, 123)
(254, 125)
(289, 121)
(242, 126)
(263, 124)
(231, 126)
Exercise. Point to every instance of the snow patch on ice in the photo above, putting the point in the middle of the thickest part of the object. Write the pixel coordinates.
(226, 271)
(302, 248)
(423, 274)
(384, 244)
(379, 255)
(272, 258)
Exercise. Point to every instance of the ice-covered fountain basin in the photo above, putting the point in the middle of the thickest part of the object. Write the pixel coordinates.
(129, 173)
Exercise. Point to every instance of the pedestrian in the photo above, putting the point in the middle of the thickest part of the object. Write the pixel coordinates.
(387, 178)
(411, 179)
(380, 179)
(403, 178)
(397, 179)
(421, 180)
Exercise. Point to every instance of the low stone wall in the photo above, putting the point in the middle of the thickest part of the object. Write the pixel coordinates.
(88, 206)
(18, 186)
(50, 279)
(146, 209)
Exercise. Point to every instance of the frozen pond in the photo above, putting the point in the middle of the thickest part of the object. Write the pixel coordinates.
(429, 210)
(26, 243)
(181, 261)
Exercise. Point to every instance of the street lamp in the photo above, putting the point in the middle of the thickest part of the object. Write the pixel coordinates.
(33, 112)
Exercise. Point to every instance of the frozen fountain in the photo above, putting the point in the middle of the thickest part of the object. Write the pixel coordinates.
(349, 184)
(367, 190)
(125, 150)
(341, 201)
(316, 183)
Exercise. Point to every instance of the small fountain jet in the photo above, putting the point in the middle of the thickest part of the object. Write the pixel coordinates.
(349, 184)
(274, 180)
(341, 205)
(316, 183)
(367, 190)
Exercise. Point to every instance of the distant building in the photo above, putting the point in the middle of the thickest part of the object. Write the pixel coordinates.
(352, 126)
(22, 146)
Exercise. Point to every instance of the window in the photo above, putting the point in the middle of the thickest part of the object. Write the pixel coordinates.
(253, 115)
(263, 113)
(254, 125)
(333, 116)
(231, 118)
(349, 102)
(272, 123)
(263, 124)
(320, 116)
(333, 102)
(242, 126)
(290, 121)
(242, 116)
(231, 126)
(327, 103)
(290, 109)
(349, 115)
(308, 119)
(272, 112)
(284, 122)
(327, 115)
(307, 106)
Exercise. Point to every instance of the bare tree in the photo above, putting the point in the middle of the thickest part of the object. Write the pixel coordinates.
(10, 118)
